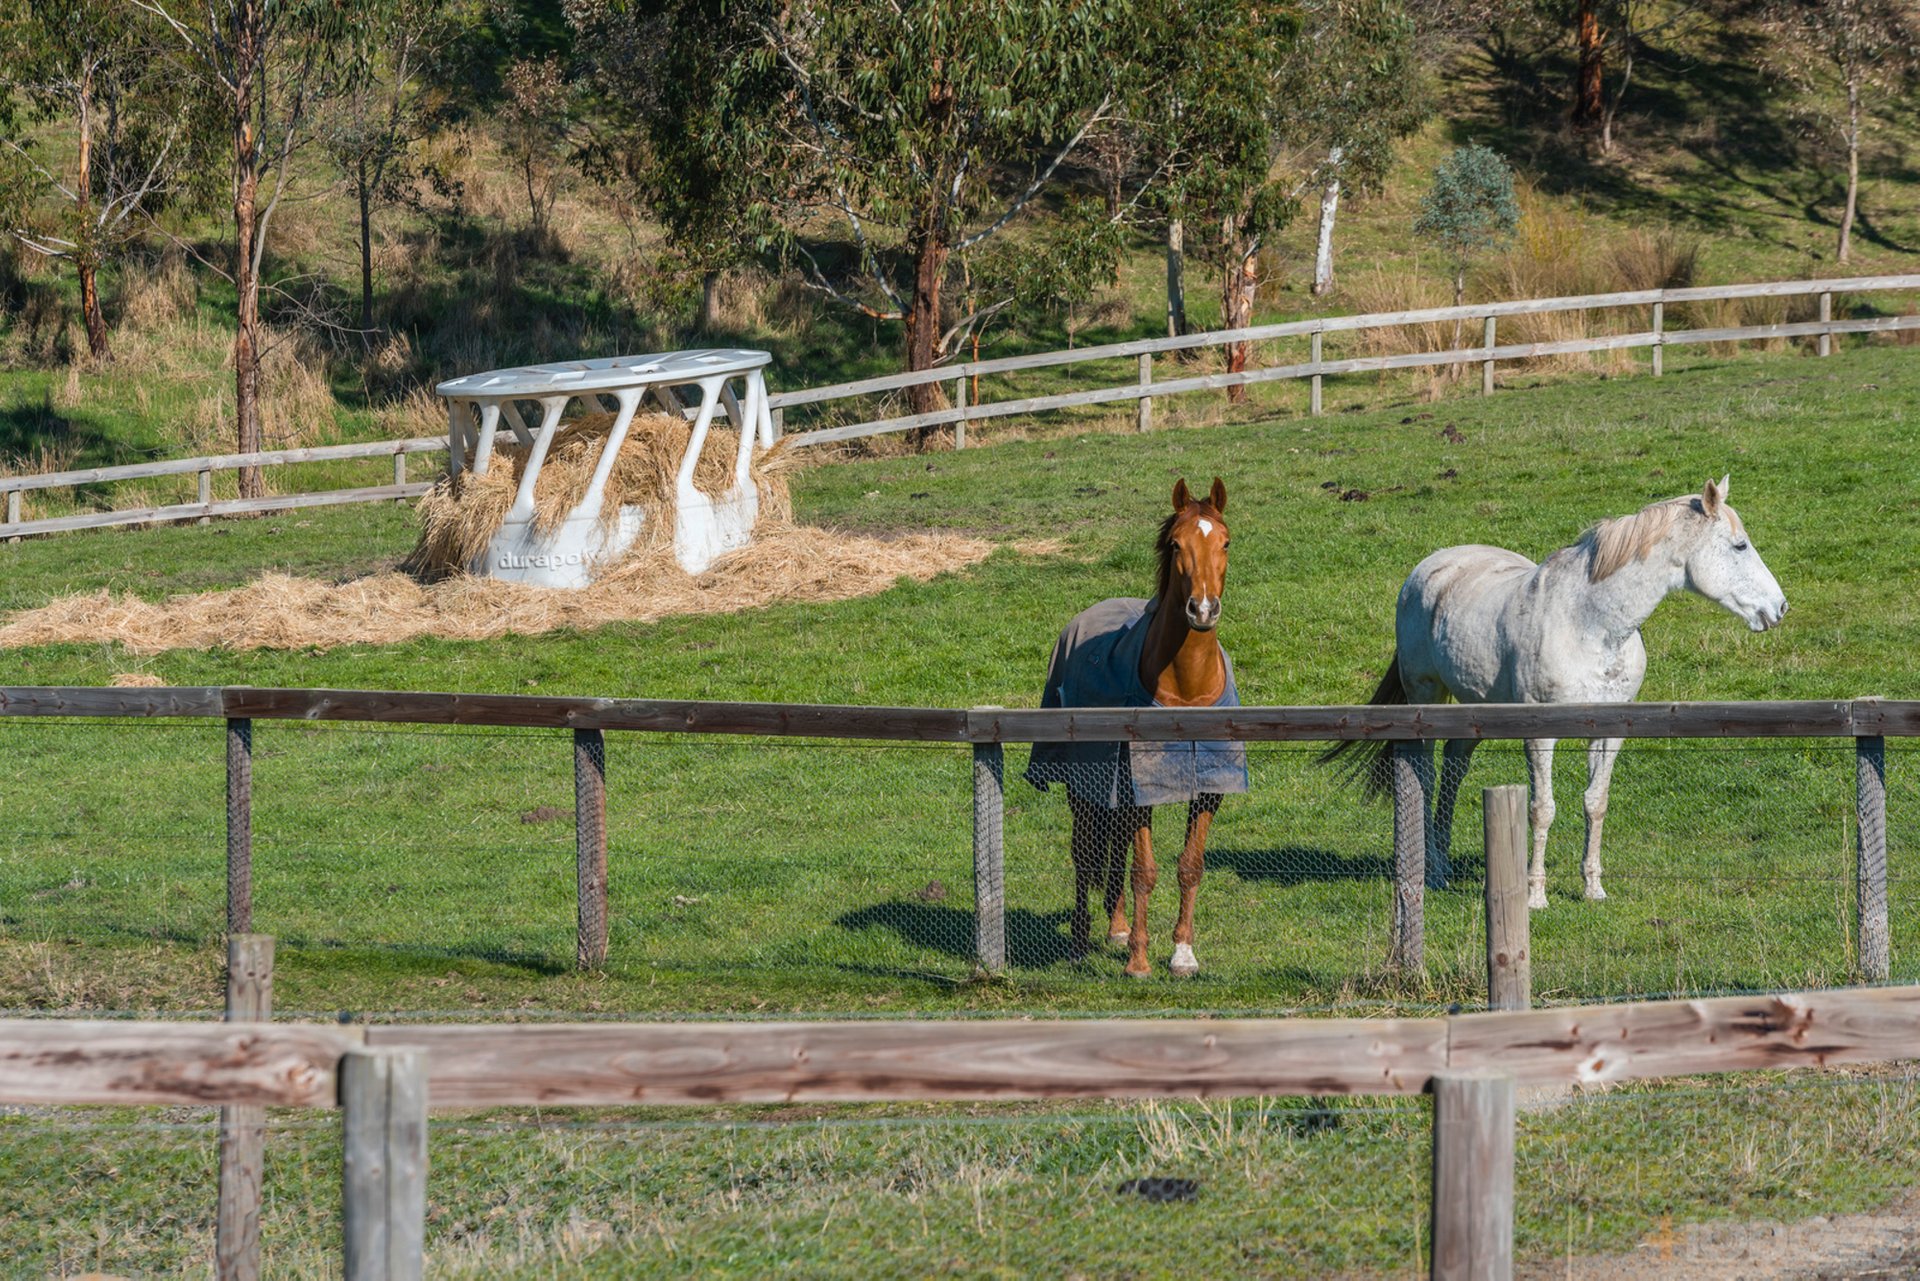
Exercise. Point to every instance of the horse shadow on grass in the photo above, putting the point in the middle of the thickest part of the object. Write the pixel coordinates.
(1034, 939)
(1301, 864)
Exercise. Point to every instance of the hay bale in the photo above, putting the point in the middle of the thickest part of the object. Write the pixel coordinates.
(461, 514)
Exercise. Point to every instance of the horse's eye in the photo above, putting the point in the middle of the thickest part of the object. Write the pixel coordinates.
(1740, 546)
(1227, 544)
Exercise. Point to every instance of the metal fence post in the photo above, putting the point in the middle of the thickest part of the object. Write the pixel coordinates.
(1870, 898)
(590, 846)
(1315, 357)
(243, 1127)
(989, 855)
(1409, 858)
(239, 825)
(1659, 334)
(1509, 950)
(1472, 1176)
(1486, 366)
(1826, 318)
(1143, 408)
(383, 1101)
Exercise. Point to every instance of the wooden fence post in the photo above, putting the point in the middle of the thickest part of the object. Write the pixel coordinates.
(400, 471)
(590, 845)
(1486, 366)
(13, 511)
(239, 825)
(1472, 1176)
(1870, 898)
(779, 417)
(383, 1101)
(960, 403)
(243, 1127)
(1659, 334)
(1509, 960)
(1143, 410)
(206, 494)
(989, 855)
(1826, 318)
(1315, 357)
(1409, 858)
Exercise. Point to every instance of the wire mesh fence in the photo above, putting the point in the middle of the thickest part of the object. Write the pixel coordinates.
(1606, 1183)
(400, 867)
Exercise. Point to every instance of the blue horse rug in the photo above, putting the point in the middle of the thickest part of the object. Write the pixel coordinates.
(1096, 663)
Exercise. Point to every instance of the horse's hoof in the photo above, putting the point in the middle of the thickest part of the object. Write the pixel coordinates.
(1119, 938)
(1537, 900)
(1183, 964)
(1132, 973)
(1595, 893)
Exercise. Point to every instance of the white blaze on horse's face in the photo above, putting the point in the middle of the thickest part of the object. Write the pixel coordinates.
(1724, 567)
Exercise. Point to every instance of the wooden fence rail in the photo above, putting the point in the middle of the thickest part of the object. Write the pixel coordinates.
(383, 1078)
(1140, 388)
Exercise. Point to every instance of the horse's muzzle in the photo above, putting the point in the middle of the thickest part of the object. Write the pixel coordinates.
(1203, 612)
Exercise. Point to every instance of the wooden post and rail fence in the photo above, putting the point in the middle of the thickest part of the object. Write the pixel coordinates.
(384, 1078)
(1867, 722)
(1142, 389)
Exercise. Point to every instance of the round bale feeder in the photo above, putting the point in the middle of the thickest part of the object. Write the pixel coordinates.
(565, 553)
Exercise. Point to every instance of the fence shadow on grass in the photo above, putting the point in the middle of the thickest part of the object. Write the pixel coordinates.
(1033, 938)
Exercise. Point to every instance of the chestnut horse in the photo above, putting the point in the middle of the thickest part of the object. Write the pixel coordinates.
(1137, 653)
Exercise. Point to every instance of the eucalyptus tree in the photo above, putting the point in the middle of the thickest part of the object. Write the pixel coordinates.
(92, 69)
(259, 67)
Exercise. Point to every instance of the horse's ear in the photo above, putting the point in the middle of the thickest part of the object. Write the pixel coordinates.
(1219, 496)
(1180, 496)
(1712, 496)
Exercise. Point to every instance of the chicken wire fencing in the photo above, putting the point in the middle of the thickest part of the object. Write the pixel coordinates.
(425, 869)
(1684, 1176)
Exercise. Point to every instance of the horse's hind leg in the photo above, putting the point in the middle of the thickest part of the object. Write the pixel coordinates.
(1601, 754)
(1116, 839)
(1193, 865)
(1454, 759)
(1540, 768)
(1144, 875)
(1089, 849)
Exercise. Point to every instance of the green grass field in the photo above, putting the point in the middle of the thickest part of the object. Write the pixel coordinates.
(415, 871)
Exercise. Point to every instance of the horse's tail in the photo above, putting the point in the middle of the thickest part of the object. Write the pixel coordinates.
(1371, 763)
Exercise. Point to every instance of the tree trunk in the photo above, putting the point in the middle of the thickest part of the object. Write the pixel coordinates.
(709, 301)
(1853, 170)
(1619, 95)
(1239, 279)
(247, 34)
(1588, 97)
(923, 326)
(1329, 205)
(366, 253)
(85, 259)
(1176, 286)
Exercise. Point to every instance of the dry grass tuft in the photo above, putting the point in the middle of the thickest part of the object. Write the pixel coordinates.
(155, 293)
(460, 514)
(785, 563)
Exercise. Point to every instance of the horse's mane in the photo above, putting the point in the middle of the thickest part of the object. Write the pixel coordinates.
(1163, 549)
(1614, 544)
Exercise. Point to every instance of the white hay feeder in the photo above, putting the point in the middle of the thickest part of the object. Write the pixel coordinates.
(565, 556)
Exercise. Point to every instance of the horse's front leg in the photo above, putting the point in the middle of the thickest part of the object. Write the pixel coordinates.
(1540, 812)
(1144, 875)
(1116, 839)
(1193, 865)
(1601, 754)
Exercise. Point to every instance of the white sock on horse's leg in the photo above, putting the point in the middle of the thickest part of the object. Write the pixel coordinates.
(1540, 812)
(1184, 962)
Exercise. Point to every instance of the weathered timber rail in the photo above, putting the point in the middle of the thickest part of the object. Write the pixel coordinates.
(1868, 722)
(1142, 389)
(383, 1078)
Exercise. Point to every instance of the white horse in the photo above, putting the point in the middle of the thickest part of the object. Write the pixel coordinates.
(1487, 625)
